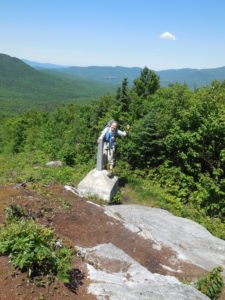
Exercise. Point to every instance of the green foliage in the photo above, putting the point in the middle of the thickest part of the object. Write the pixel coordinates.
(145, 142)
(211, 284)
(122, 97)
(183, 148)
(147, 84)
(30, 168)
(117, 199)
(14, 212)
(33, 248)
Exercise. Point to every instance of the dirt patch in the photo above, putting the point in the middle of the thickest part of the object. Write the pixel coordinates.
(7, 194)
(15, 285)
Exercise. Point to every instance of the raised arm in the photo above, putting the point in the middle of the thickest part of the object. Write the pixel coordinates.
(124, 133)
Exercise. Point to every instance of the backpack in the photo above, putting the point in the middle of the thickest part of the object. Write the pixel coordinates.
(109, 123)
(108, 137)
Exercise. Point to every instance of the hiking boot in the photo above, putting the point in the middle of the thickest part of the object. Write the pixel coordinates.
(110, 174)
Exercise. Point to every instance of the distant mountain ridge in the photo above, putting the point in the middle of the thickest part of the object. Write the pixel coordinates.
(192, 77)
(114, 75)
(38, 65)
(24, 88)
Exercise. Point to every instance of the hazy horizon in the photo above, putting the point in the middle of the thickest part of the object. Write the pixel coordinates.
(73, 65)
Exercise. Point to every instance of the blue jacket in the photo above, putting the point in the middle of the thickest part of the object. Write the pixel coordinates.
(113, 135)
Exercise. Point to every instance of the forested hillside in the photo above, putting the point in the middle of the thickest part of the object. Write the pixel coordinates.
(174, 157)
(23, 88)
(194, 78)
(113, 75)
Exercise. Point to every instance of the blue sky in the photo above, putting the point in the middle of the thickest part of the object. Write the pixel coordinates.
(115, 32)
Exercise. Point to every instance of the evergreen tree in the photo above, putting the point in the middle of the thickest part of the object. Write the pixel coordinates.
(152, 83)
(122, 96)
(118, 94)
(147, 84)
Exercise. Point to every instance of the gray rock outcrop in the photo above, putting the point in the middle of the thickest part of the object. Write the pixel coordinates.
(115, 275)
(191, 241)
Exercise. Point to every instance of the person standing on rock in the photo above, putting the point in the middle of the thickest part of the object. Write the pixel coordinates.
(109, 135)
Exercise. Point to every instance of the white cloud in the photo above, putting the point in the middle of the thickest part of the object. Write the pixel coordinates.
(167, 36)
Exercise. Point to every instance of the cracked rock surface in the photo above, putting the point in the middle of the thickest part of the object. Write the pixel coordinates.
(115, 275)
(191, 241)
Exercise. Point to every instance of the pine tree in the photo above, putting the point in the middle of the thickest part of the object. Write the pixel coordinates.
(147, 84)
(122, 97)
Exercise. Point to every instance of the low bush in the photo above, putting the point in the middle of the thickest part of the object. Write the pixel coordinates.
(117, 199)
(14, 212)
(211, 284)
(34, 248)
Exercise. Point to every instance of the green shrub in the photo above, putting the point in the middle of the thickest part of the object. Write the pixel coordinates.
(33, 248)
(211, 284)
(14, 212)
(117, 199)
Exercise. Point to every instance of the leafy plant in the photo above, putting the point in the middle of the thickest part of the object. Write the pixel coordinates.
(33, 248)
(117, 199)
(14, 212)
(211, 284)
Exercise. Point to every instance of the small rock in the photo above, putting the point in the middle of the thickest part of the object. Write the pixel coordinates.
(56, 163)
(22, 184)
(58, 244)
